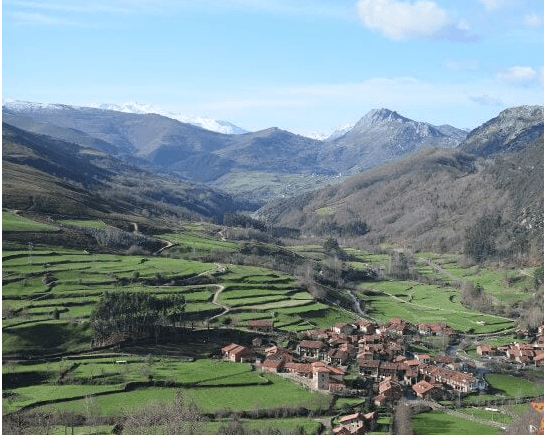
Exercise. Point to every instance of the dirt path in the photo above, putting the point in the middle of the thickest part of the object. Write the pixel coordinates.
(168, 245)
(215, 301)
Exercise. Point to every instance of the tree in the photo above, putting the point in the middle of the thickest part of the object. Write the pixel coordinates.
(134, 313)
(538, 276)
(479, 241)
(402, 266)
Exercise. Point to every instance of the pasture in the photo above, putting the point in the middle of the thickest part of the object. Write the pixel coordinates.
(424, 303)
(13, 222)
(115, 389)
(438, 423)
(50, 292)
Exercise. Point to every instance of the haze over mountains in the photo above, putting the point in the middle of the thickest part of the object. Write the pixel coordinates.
(197, 154)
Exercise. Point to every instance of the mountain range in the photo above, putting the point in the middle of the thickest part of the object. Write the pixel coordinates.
(166, 145)
(431, 198)
(411, 181)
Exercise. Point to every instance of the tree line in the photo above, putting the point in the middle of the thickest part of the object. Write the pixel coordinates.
(135, 313)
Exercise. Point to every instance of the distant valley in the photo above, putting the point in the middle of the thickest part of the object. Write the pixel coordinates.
(259, 165)
(407, 180)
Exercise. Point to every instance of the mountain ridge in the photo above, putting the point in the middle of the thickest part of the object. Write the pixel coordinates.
(508, 131)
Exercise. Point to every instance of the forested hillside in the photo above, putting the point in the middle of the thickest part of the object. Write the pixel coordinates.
(431, 199)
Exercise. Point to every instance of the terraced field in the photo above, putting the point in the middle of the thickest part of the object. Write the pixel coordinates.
(50, 292)
(423, 303)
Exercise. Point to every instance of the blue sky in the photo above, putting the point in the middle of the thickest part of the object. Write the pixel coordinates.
(301, 65)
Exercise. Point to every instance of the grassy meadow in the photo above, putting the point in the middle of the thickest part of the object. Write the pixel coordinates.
(49, 293)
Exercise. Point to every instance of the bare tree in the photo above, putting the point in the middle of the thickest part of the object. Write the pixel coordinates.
(522, 425)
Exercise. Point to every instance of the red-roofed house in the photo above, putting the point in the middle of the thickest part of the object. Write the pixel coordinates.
(238, 353)
(365, 326)
(343, 328)
(261, 325)
(426, 390)
(486, 350)
(326, 377)
(356, 423)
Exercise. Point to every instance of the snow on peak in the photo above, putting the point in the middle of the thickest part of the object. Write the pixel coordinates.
(27, 106)
(341, 131)
(206, 123)
(137, 108)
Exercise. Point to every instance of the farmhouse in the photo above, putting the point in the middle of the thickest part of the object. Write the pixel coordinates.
(356, 424)
(273, 364)
(326, 377)
(426, 390)
(389, 391)
(238, 353)
(398, 326)
(312, 349)
(365, 326)
(463, 382)
(434, 329)
(343, 328)
(337, 357)
(318, 334)
(369, 368)
(486, 350)
(423, 357)
(260, 325)
(443, 359)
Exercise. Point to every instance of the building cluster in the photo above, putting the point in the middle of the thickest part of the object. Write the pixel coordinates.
(518, 353)
(380, 353)
(356, 424)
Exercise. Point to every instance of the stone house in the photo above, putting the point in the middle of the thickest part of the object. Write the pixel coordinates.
(260, 325)
(238, 353)
(312, 349)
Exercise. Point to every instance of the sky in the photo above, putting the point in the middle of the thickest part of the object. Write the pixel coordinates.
(302, 65)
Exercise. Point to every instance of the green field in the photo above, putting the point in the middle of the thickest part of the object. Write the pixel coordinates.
(438, 423)
(85, 223)
(49, 294)
(424, 303)
(13, 222)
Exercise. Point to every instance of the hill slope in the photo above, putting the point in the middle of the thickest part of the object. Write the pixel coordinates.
(511, 130)
(103, 184)
(430, 199)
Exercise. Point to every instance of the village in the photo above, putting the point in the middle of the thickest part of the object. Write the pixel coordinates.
(381, 358)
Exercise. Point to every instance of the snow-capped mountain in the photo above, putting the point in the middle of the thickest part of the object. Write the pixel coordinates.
(218, 126)
(341, 131)
(136, 108)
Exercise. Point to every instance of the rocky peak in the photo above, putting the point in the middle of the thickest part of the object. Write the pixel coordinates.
(511, 130)
(382, 115)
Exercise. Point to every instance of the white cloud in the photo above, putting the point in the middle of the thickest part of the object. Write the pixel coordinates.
(400, 20)
(532, 20)
(492, 4)
(518, 75)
